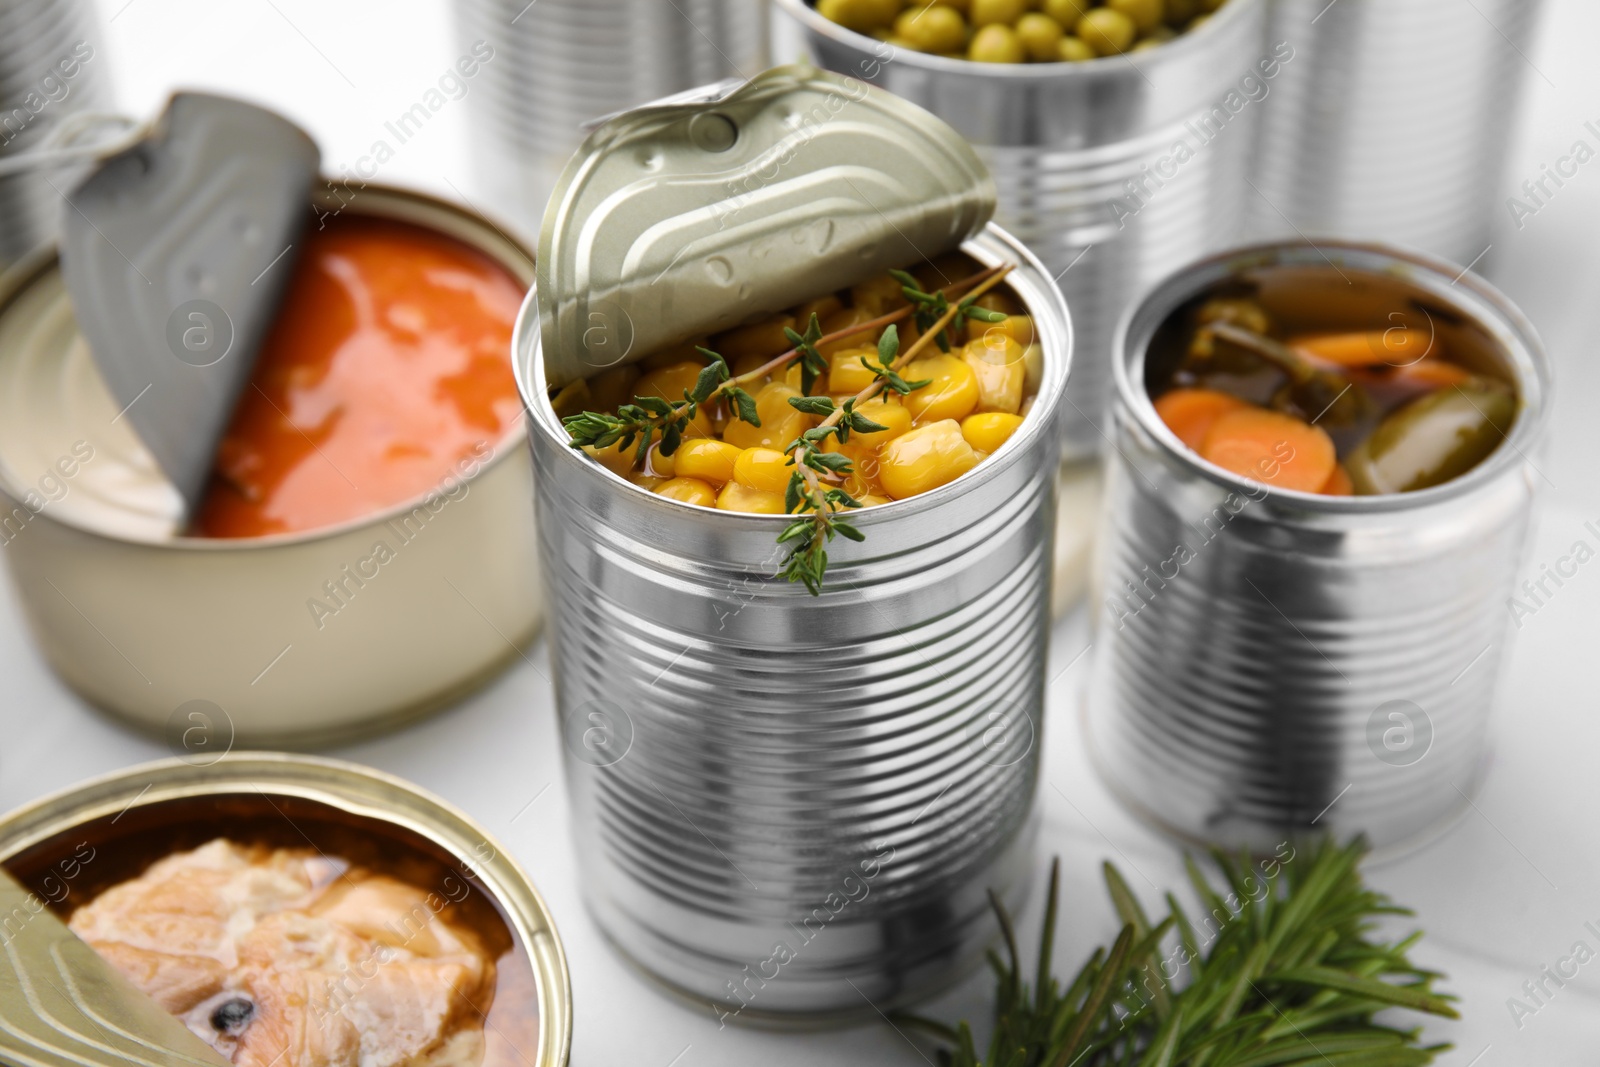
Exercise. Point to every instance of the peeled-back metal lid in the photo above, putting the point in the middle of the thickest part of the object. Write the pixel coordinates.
(683, 218)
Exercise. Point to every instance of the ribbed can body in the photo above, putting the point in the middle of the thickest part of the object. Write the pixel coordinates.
(1270, 663)
(786, 803)
(1113, 171)
(560, 63)
(1394, 123)
(51, 64)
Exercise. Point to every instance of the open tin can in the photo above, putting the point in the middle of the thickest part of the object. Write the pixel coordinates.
(291, 639)
(1270, 661)
(1113, 170)
(788, 805)
(65, 850)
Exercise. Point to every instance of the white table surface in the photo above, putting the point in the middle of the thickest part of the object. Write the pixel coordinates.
(1504, 893)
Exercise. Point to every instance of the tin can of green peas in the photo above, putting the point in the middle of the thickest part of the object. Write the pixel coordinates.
(1270, 662)
(789, 806)
(1113, 170)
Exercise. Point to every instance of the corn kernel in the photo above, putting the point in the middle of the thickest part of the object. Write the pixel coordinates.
(759, 339)
(821, 307)
(614, 458)
(1033, 367)
(614, 387)
(669, 383)
(924, 458)
(710, 461)
(737, 497)
(688, 490)
(660, 464)
(878, 295)
(1020, 329)
(951, 394)
(762, 468)
(780, 423)
(988, 430)
(999, 370)
(843, 320)
(847, 375)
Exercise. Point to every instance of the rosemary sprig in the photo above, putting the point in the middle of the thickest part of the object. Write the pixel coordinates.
(650, 418)
(1289, 974)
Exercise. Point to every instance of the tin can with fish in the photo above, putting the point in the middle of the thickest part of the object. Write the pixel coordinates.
(1113, 170)
(1271, 660)
(398, 907)
(787, 802)
(337, 625)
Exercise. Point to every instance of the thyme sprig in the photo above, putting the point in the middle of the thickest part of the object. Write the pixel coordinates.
(651, 418)
(819, 505)
(1289, 975)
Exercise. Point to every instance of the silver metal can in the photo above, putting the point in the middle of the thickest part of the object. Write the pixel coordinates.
(1394, 122)
(790, 805)
(51, 65)
(1268, 661)
(558, 64)
(1114, 171)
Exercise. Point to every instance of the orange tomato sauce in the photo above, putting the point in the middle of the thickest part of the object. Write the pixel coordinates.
(387, 367)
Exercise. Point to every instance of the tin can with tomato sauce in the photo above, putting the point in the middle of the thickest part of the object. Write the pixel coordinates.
(351, 623)
(1269, 662)
(63, 852)
(789, 806)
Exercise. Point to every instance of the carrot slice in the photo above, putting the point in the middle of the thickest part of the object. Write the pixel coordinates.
(1189, 413)
(1269, 447)
(1397, 346)
(1338, 483)
(1432, 373)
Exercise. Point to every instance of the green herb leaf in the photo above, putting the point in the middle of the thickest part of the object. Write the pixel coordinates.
(743, 405)
(812, 405)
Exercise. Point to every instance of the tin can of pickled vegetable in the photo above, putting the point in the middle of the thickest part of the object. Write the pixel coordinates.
(51, 66)
(197, 911)
(1113, 170)
(365, 553)
(548, 68)
(1394, 123)
(788, 805)
(1270, 658)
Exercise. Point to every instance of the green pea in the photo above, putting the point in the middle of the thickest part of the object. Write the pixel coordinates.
(1145, 14)
(1108, 32)
(1067, 12)
(997, 12)
(1041, 37)
(1075, 50)
(1433, 439)
(863, 16)
(932, 29)
(996, 44)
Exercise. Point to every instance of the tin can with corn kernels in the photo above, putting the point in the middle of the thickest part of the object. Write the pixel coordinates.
(1270, 662)
(788, 806)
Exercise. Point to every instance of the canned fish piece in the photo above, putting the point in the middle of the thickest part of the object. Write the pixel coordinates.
(386, 890)
(559, 64)
(1267, 660)
(789, 802)
(297, 625)
(1113, 170)
(1394, 122)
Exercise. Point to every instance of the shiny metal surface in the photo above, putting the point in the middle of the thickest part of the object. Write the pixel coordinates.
(1394, 123)
(1270, 661)
(677, 220)
(57, 839)
(778, 796)
(561, 63)
(52, 64)
(1077, 152)
(141, 622)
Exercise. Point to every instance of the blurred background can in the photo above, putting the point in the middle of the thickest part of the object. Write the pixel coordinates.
(562, 63)
(51, 65)
(1316, 661)
(1394, 122)
(1113, 171)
